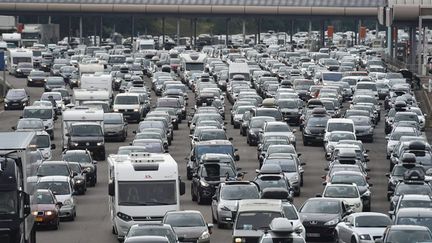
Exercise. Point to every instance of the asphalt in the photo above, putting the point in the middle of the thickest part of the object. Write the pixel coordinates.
(92, 224)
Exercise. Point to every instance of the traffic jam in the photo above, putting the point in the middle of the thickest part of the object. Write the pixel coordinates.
(281, 100)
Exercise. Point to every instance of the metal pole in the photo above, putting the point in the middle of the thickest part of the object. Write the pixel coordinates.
(227, 31)
(292, 31)
(163, 33)
(70, 29)
(4, 82)
(133, 30)
(244, 31)
(195, 32)
(80, 30)
(101, 30)
(413, 47)
(95, 34)
(376, 29)
(49, 19)
(178, 31)
(323, 33)
(191, 33)
(421, 37)
(259, 30)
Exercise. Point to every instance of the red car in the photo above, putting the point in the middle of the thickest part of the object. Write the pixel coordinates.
(46, 209)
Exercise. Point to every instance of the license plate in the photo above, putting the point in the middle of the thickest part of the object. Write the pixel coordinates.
(15, 103)
(313, 234)
(38, 219)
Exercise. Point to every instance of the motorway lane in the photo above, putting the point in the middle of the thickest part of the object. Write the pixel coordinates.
(93, 224)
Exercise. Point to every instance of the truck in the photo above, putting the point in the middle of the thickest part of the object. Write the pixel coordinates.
(90, 68)
(81, 95)
(239, 69)
(40, 33)
(18, 167)
(71, 116)
(13, 40)
(98, 81)
(7, 23)
(16, 56)
(142, 187)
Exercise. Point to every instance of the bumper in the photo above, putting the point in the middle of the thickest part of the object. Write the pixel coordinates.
(67, 211)
(92, 149)
(292, 119)
(131, 115)
(252, 139)
(15, 105)
(226, 217)
(111, 134)
(314, 137)
(206, 193)
(46, 221)
(320, 231)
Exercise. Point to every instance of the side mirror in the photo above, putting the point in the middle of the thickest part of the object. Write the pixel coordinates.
(324, 183)
(94, 162)
(182, 188)
(13, 128)
(294, 130)
(302, 163)
(111, 190)
(387, 175)
(195, 175)
(326, 169)
(230, 139)
(59, 204)
(236, 157)
(67, 134)
(26, 199)
(318, 195)
(74, 174)
(53, 146)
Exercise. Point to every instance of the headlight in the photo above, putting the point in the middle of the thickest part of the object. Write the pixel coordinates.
(74, 144)
(306, 130)
(79, 181)
(357, 205)
(30, 79)
(204, 184)
(239, 240)
(124, 217)
(294, 178)
(100, 144)
(18, 70)
(330, 147)
(136, 110)
(366, 194)
(116, 110)
(49, 213)
(67, 202)
(299, 229)
(224, 208)
(332, 222)
(365, 237)
(204, 236)
(88, 169)
(292, 138)
(35, 213)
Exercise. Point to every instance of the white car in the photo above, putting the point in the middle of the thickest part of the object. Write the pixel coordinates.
(345, 192)
(292, 214)
(43, 143)
(333, 139)
(362, 227)
(396, 134)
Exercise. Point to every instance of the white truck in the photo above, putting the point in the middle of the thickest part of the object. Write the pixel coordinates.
(16, 56)
(71, 116)
(90, 68)
(142, 187)
(7, 23)
(12, 39)
(81, 95)
(40, 33)
(99, 81)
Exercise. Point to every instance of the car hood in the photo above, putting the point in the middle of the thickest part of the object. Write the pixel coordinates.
(248, 233)
(374, 232)
(62, 198)
(86, 139)
(189, 232)
(362, 128)
(112, 127)
(231, 204)
(319, 217)
(43, 207)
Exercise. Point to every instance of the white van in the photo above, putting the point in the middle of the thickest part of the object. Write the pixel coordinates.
(338, 124)
(130, 104)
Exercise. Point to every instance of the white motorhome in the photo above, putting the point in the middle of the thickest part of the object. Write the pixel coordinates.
(190, 63)
(98, 81)
(81, 95)
(13, 39)
(90, 68)
(16, 56)
(239, 69)
(79, 115)
(142, 187)
(145, 44)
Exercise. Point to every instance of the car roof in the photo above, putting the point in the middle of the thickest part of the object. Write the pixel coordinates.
(55, 178)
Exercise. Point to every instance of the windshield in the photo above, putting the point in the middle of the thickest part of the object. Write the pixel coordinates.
(287, 166)
(152, 230)
(255, 220)
(340, 126)
(271, 182)
(38, 113)
(368, 86)
(195, 66)
(114, 119)
(258, 123)
(415, 204)
(321, 206)
(86, 130)
(126, 100)
(42, 141)
(332, 76)
(349, 178)
(216, 171)
(234, 192)
(372, 221)
(290, 212)
(57, 187)
(14, 94)
(55, 81)
(317, 121)
(8, 202)
(398, 135)
(48, 169)
(341, 192)
(29, 124)
(142, 193)
(277, 128)
(43, 198)
(288, 104)
(184, 220)
(216, 149)
(213, 135)
(403, 189)
(336, 137)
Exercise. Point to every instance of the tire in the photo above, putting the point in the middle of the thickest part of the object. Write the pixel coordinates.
(220, 225)
(301, 180)
(305, 142)
(52, 136)
(214, 221)
(297, 193)
(56, 227)
(353, 240)
(200, 201)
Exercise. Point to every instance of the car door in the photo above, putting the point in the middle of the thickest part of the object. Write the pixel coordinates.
(214, 203)
(346, 229)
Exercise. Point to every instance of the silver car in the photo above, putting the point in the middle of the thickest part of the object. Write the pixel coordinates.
(362, 227)
(189, 226)
(226, 199)
(115, 126)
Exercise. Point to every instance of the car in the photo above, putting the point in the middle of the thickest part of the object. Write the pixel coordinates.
(46, 209)
(321, 215)
(313, 128)
(189, 226)
(271, 176)
(29, 124)
(278, 128)
(151, 229)
(53, 82)
(281, 230)
(55, 168)
(36, 78)
(16, 99)
(255, 127)
(291, 213)
(62, 188)
(65, 95)
(334, 137)
(405, 234)
(225, 201)
(362, 227)
(44, 144)
(364, 128)
(396, 134)
(87, 163)
(45, 113)
(23, 69)
(206, 179)
(348, 193)
(412, 201)
(147, 238)
(115, 126)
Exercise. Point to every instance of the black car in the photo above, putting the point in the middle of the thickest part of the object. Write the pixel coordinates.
(79, 180)
(87, 135)
(321, 215)
(36, 78)
(54, 82)
(16, 99)
(87, 163)
(291, 110)
(314, 128)
(64, 93)
(207, 178)
(271, 176)
(364, 128)
(115, 126)
(255, 127)
(413, 183)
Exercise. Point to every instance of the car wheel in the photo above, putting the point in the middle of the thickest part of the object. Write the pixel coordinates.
(301, 180)
(56, 226)
(113, 230)
(193, 195)
(199, 199)
(305, 142)
(214, 221)
(353, 240)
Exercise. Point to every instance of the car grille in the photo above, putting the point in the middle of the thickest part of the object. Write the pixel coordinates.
(40, 213)
(4, 238)
(147, 218)
(126, 110)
